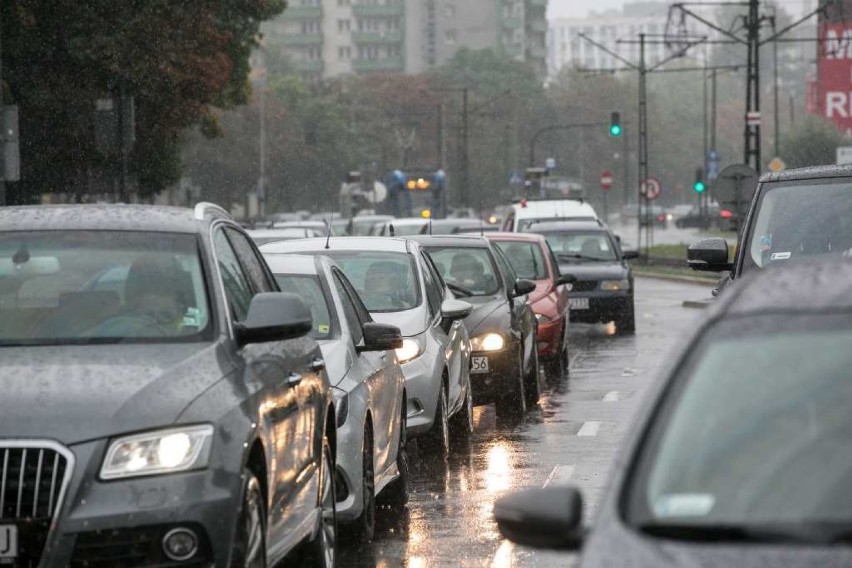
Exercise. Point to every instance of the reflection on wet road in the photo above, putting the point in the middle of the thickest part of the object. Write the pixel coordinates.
(570, 438)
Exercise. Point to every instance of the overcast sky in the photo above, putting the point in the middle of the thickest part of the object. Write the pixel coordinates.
(581, 8)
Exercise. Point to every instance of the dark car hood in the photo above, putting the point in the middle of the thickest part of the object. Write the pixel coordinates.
(78, 393)
(485, 310)
(594, 270)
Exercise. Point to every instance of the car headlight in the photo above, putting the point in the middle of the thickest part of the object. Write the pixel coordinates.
(487, 342)
(341, 405)
(411, 349)
(159, 452)
(541, 318)
(612, 285)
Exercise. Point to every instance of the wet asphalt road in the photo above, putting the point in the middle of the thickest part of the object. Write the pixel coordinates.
(571, 437)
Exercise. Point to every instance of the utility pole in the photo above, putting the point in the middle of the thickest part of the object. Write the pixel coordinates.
(752, 122)
(464, 190)
(643, 147)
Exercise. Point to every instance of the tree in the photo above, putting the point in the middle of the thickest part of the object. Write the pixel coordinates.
(812, 141)
(178, 59)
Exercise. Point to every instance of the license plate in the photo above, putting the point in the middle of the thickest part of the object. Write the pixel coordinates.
(8, 541)
(479, 364)
(578, 303)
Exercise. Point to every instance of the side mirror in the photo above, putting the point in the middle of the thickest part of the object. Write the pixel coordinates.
(380, 337)
(523, 287)
(274, 316)
(709, 255)
(549, 517)
(630, 254)
(565, 279)
(452, 310)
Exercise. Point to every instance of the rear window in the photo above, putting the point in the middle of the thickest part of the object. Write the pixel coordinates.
(526, 258)
(385, 281)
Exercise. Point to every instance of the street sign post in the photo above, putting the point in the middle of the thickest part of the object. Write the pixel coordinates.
(606, 180)
(651, 188)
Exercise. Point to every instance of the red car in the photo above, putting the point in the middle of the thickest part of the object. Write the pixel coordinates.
(532, 259)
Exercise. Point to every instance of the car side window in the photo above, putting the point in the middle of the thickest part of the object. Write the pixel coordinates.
(237, 288)
(506, 269)
(553, 262)
(434, 295)
(251, 262)
(353, 322)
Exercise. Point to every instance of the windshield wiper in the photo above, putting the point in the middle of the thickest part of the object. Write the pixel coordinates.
(795, 533)
(459, 290)
(579, 257)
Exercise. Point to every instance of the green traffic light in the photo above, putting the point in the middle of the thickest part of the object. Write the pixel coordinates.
(698, 186)
(615, 130)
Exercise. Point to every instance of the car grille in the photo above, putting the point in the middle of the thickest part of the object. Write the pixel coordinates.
(584, 286)
(32, 479)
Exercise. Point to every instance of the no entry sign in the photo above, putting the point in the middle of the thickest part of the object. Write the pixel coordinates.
(606, 180)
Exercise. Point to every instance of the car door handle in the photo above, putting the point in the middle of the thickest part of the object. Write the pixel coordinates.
(294, 379)
(317, 365)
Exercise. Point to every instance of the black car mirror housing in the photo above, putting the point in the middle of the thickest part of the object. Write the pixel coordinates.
(380, 337)
(274, 316)
(523, 287)
(549, 517)
(630, 254)
(565, 279)
(709, 255)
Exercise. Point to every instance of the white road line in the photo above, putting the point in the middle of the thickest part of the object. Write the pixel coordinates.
(589, 428)
(561, 474)
(611, 396)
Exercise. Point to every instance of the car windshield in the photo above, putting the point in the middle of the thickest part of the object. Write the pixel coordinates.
(100, 287)
(526, 258)
(800, 221)
(309, 289)
(581, 246)
(386, 281)
(753, 433)
(468, 269)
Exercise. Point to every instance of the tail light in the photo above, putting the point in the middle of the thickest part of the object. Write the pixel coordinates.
(726, 214)
(523, 203)
(661, 218)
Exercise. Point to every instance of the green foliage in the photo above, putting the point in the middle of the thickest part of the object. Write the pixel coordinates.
(811, 141)
(178, 60)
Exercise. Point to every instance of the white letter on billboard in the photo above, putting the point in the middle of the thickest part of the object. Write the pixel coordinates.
(832, 45)
(835, 102)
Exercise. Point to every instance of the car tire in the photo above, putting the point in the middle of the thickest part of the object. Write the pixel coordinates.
(461, 424)
(512, 404)
(557, 367)
(249, 550)
(436, 441)
(626, 323)
(364, 527)
(322, 549)
(532, 385)
(395, 495)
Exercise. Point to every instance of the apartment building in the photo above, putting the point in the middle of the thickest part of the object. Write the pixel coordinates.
(328, 38)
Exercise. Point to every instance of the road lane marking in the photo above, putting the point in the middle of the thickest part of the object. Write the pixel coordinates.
(561, 474)
(611, 396)
(589, 428)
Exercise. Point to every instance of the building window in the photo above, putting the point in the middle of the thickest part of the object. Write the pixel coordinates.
(450, 37)
(311, 27)
(344, 52)
(343, 25)
(342, 2)
(450, 11)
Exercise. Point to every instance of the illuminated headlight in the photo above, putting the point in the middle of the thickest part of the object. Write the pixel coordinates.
(411, 349)
(487, 342)
(542, 318)
(163, 451)
(612, 285)
(341, 405)
(669, 217)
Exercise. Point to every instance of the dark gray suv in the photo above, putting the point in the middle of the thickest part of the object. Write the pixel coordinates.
(162, 403)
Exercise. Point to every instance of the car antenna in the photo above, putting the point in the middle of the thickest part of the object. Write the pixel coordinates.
(430, 225)
(391, 232)
(328, 231)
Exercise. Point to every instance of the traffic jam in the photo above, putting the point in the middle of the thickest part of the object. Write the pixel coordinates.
(379, 283)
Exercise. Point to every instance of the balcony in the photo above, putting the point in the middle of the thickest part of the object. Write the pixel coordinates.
(298, 40)
(309, 65)
(303, 12)
(378, 65)
(362, 11)
(390, 36)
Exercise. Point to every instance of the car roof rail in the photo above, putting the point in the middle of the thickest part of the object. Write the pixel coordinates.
(203, 208)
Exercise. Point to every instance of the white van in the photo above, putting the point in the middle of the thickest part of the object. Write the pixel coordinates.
(521, 215)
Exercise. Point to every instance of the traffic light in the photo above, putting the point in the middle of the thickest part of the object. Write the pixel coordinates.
(615, 124)
(699, 186)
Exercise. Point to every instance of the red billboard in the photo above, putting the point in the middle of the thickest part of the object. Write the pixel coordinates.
(834, 82)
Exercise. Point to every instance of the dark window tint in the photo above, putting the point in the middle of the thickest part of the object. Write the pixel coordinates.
(251, 261)
(237, 287)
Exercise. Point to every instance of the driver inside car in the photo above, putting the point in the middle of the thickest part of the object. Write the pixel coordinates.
(467, 271)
